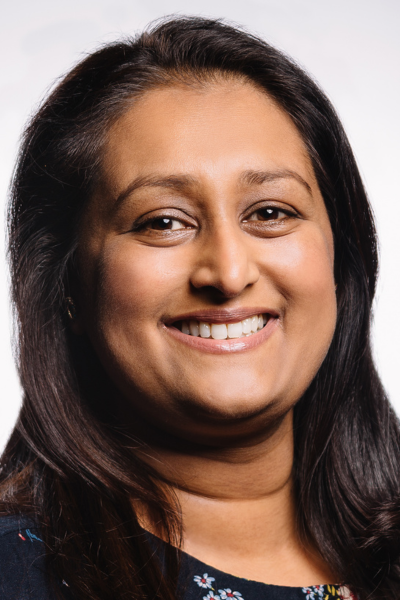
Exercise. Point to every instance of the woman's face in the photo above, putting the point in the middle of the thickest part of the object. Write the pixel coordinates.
(208, 216)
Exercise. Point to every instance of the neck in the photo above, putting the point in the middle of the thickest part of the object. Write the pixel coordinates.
(230, 473)
(238, 508)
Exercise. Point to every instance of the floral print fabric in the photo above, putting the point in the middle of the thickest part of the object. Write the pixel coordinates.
(325, 592)
(23, 570)
(315, 592)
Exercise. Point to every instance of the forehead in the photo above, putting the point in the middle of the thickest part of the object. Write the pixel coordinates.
(216, 130)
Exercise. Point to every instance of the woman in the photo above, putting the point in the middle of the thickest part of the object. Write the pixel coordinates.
(193, 262)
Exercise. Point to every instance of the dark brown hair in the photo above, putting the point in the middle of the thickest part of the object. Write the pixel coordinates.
(66, 461)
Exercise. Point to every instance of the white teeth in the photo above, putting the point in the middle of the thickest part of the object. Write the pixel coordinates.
(219, 331)
(223, 331)
(205, 330)
(235, 330)
(194, 328)
(246, 324)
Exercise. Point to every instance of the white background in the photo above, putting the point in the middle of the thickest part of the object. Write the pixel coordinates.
(352, 47)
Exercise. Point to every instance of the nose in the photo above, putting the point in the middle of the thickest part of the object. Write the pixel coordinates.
(225, 261)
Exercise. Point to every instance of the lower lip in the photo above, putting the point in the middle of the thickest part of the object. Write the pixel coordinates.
(225, 346)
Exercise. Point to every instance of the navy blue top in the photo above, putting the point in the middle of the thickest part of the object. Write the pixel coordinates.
(23, 574)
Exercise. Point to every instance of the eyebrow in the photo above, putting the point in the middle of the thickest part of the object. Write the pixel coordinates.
(259, 177)
(183, 182)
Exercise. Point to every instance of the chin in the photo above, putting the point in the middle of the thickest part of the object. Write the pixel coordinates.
(233, 413)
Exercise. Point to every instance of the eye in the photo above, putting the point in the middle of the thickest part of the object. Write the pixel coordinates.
(163, 224)
(268, 213)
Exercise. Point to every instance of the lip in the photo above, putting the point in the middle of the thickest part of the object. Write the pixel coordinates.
(222, 315)
(224, 346)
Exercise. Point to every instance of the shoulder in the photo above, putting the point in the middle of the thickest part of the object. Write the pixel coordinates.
(15, 531)
(22, 560)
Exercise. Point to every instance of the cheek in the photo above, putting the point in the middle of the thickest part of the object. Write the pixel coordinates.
(132, 286)
(134, 281)
(302, 267)
(302, 263)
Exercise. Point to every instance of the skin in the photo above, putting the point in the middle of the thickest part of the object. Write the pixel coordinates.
(218, 427)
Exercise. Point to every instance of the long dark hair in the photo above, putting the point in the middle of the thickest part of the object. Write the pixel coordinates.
(66, 463)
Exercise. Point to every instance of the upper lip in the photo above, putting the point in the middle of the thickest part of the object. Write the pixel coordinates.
(222, 315)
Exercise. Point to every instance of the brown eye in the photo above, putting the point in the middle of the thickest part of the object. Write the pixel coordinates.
(269, 213)
(165, 224)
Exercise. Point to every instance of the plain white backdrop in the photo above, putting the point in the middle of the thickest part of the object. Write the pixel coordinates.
(351, 47)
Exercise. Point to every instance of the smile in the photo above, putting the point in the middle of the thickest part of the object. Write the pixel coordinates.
(223, 331)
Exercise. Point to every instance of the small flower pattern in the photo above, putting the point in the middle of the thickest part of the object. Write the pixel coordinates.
(204, 581)
(211, 596)
(314, 592)
(30, 536)
(227, 593)
(328, 592)
(346, 594)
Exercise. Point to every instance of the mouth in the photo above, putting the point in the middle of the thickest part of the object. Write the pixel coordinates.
(223, 330)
